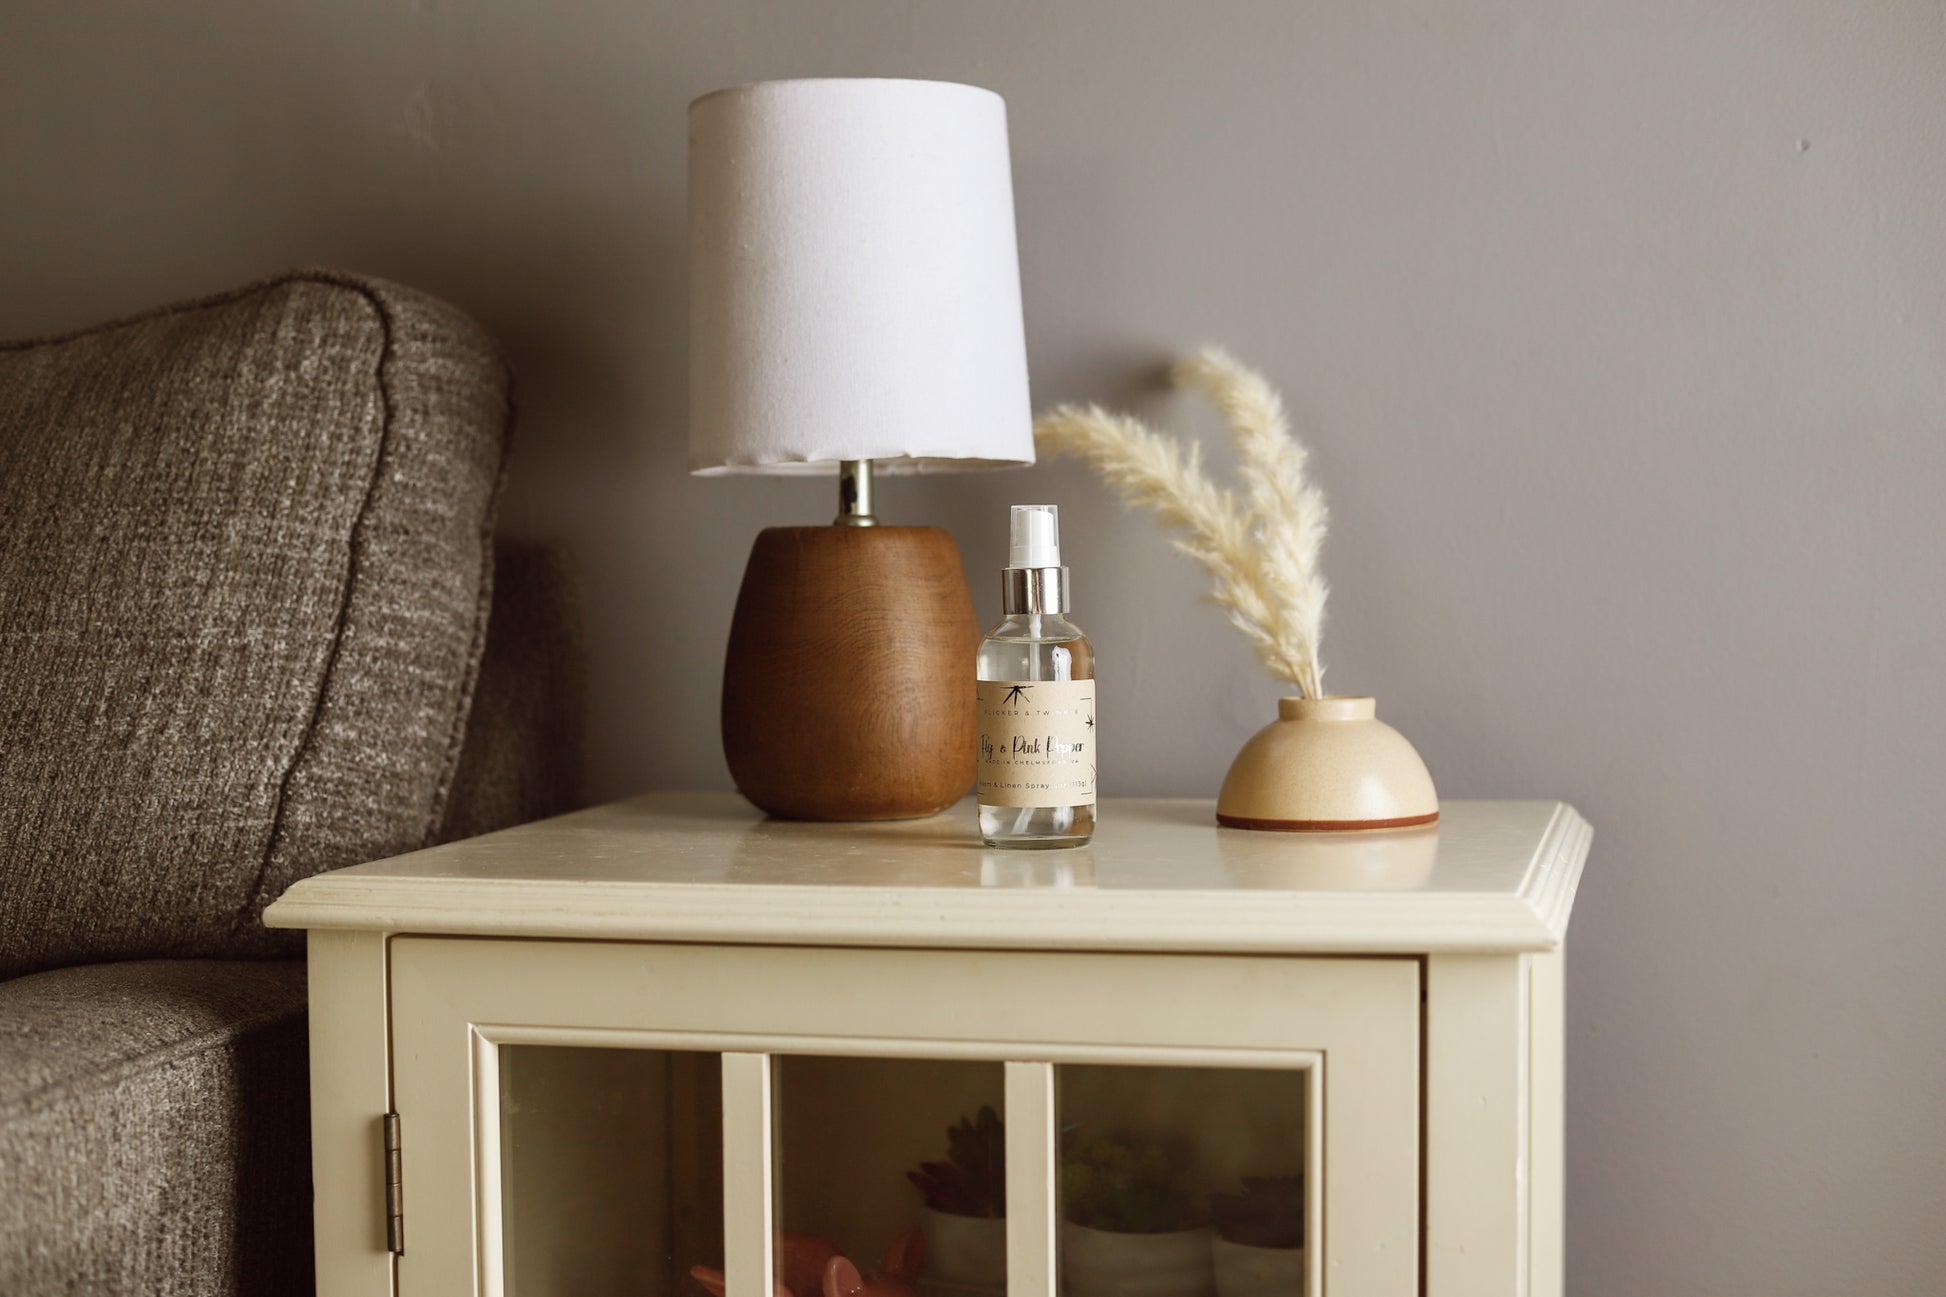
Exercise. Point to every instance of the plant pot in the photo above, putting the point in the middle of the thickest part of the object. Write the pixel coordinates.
(966, 1251)
(1104, 1263)
(1327, 764)
(1246, 1271)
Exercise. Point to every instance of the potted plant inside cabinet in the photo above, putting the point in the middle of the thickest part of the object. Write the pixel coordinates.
(1131, 1225)
(1258, 1250)
(965, 1220)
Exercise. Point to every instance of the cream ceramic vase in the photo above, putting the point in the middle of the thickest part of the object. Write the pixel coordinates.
(1245, 1271)
(1327, 764)
(966, 1251)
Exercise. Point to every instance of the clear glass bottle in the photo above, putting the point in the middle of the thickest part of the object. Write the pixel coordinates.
(1036, 674)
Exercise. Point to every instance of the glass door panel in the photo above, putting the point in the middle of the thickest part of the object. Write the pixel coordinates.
(897, 1165)
(561, 1143)
(611, 1167)
(1183, 1181)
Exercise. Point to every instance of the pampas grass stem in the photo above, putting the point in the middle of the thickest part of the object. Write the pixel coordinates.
(1261, 551)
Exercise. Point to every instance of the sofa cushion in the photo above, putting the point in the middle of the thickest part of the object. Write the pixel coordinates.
(154, 1137)
(245, 564)
(524, 738)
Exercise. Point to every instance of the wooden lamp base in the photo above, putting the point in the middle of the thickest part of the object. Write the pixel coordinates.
(848, 683)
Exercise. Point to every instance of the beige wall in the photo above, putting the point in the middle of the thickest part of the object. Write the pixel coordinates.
(1619, 330)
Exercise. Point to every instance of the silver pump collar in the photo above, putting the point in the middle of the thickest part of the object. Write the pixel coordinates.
(1033, 590)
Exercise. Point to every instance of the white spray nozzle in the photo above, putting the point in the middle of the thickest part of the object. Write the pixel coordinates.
(1034, 536)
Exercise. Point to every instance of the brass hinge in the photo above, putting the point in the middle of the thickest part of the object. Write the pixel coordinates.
(394, 1192)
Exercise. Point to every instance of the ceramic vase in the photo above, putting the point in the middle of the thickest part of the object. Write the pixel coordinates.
(1327, 764)
(1105, 1263)
(965, 1251)
(1246, 1271)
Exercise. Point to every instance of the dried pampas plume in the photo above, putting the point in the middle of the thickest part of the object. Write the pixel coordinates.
(1261, 550)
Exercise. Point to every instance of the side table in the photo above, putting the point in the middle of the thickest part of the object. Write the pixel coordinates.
(584, 1055)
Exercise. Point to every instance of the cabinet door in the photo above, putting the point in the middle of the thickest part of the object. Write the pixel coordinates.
(593, 1118)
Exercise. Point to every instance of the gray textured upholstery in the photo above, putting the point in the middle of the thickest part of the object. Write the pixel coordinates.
(245, 576)
(153, 1116)
(524, 738)
(153, 1133)
(245, 566)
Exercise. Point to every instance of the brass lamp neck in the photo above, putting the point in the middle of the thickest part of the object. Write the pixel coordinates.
(855, 494)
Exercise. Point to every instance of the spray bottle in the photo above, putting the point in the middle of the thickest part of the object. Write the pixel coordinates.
(1036, 689)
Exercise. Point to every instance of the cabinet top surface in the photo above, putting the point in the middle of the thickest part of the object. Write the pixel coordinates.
(1159, 875)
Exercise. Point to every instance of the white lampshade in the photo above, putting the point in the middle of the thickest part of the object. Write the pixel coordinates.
(854, 285)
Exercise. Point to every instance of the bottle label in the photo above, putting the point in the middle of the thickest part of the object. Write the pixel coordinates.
(1037, 742)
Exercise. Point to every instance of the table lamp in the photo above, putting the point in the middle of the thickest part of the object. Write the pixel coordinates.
(854, 310)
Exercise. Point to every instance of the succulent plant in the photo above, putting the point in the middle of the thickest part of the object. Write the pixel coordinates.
(972, 1181)
(1129, 1185)
(1268, 1213)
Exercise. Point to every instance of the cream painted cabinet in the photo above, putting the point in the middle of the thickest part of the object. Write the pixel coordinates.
(585, 1056)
